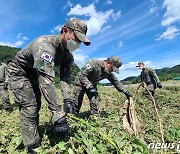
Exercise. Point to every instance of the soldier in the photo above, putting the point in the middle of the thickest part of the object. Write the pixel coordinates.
(4, 94)
(87, 79)
(150, 78)
(31, 74)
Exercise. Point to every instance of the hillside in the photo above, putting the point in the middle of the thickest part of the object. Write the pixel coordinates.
(8, 53)
(129, 78)
(175, 69)
(164, 74)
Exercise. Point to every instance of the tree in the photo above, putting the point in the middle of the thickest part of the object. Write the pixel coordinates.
(75, 70)
(7, 53)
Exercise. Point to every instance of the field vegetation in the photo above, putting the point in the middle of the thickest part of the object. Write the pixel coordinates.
(103, 135)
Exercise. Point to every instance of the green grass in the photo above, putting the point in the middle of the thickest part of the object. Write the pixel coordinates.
(90, 135)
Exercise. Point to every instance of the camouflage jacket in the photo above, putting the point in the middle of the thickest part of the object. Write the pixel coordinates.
(149, 75)
(42, 55)
(93, 71)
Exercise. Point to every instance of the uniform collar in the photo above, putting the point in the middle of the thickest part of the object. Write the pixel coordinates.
(58, 39)
(101, 63)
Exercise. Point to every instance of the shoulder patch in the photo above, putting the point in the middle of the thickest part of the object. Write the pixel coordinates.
(88, 66)
(46, 56)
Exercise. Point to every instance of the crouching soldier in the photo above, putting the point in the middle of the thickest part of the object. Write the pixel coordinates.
(87, 79)
(150, 78)
(31, 74)
(4, 94)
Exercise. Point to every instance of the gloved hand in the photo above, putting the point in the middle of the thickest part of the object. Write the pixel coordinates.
(61, 127)
(69, 106)
(92, 91)
(128, 94)
(159, 85)
(5, 86)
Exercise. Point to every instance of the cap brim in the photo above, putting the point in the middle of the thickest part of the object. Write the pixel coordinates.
(137, 66)
(115, 69)
(82, 37)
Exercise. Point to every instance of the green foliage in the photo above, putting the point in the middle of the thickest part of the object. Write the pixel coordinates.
(7, 53)
(86, 135)
(170, 76)
(136, 80)
(75, 70)
(175, 69)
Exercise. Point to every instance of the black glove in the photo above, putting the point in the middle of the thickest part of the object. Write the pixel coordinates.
(69, 106)
(92, 91)
(128, 94)
(61, 127)
(5, 86)
(159, 85)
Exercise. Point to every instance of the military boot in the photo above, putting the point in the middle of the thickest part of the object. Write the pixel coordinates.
(33, 149)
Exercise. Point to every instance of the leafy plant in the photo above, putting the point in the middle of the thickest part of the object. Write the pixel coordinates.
(104, 135)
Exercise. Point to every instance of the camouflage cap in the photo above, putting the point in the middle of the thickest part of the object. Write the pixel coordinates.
(80, 29)
(116, 63)
(139, 64)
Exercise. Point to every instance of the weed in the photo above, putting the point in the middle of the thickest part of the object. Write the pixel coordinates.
(103, 135)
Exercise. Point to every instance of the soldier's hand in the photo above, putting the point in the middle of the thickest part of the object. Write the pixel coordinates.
(69, 106)
(5, 86)
(61, 127)
(159, 85)
(128, 94)
(92, 91)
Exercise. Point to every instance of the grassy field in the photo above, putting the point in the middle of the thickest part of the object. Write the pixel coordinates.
(93, 136)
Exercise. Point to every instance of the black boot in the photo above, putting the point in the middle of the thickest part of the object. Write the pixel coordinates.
(33, 149)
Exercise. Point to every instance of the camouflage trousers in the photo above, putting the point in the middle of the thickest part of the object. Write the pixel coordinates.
(26, 93)
(24, 84)
(79, 92)
(4, 95)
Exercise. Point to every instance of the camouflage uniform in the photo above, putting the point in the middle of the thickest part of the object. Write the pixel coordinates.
(149, 76)
(31, 74)
(91, 74)
(4, 94)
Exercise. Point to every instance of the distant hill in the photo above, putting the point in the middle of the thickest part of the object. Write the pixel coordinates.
(164, 74)
(129, 78)
(7, 53)
(175, 69)
(168, 73)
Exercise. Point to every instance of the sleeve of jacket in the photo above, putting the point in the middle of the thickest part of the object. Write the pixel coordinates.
(65, 78)
(6, 79)
(4, 67)
(48, 90)
(84, 73)
(153, 73)
(43, 54)
(117, 84)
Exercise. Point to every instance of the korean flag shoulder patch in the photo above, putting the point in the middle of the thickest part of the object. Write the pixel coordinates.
(46, 56)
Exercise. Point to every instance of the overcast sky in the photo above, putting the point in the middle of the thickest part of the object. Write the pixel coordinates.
(134, 30)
